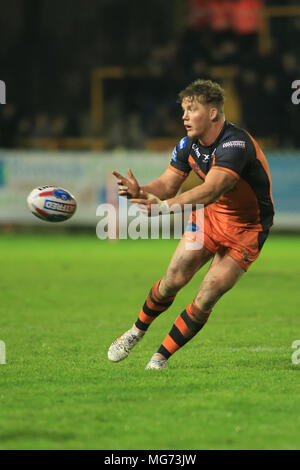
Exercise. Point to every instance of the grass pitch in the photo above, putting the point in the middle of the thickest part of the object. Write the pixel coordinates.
(65, 299)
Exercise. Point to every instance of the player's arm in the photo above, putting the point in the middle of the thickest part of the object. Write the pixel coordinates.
(217, 182)
(229, 161)
(164, 187)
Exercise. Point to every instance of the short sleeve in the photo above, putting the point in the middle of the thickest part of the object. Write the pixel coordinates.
(179, 161)
(231, 156)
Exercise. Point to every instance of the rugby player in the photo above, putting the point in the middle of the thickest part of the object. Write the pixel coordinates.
(238, 213)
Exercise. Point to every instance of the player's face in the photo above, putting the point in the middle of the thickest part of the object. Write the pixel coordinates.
(196, 117)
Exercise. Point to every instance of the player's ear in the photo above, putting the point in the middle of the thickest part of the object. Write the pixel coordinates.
(213, 114)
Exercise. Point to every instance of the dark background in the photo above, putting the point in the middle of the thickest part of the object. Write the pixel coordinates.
(48, 50)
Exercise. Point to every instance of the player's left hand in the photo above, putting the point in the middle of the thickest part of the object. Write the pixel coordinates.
(152, 206)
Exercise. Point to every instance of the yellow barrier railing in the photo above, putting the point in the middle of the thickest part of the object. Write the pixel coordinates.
(225, 74)
(264, 38)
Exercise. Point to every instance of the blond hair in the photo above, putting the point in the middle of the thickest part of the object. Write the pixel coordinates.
(206, 92)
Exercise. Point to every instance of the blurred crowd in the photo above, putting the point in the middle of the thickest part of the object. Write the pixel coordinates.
(57, 102)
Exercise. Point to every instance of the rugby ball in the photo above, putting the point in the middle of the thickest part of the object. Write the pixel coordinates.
(51, 203)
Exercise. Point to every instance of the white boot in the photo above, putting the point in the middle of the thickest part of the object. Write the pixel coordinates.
(122, 346)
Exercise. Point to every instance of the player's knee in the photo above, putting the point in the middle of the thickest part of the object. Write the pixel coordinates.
(172, 283)
(215, 287)
(209, 294)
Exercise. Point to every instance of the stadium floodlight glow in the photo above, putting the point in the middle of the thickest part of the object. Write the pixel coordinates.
(129, 221)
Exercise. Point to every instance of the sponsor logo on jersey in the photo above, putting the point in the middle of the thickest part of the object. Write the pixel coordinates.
(58, 206)
(205, 157)
(235, 143)
(182, 143)
(174, 154)
(196, 150)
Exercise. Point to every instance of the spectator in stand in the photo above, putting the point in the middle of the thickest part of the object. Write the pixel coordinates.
(59, 127)
(24, 128)
(42, 126)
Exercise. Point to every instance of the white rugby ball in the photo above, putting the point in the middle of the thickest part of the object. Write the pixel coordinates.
(51, 203)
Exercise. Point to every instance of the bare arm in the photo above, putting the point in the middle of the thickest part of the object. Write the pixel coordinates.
(166, 186)
(217, 182)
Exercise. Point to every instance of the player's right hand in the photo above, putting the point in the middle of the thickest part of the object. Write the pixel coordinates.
(128, 187)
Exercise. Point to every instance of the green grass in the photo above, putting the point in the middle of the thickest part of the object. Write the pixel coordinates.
(63, 301)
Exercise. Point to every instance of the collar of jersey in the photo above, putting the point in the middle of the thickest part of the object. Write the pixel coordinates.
(215, 143)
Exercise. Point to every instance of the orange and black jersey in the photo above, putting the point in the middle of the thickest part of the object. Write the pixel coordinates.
(249, 204)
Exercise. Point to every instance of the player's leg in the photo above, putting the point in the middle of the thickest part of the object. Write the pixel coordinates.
(184, 264)
(220, 278)
(222, 275)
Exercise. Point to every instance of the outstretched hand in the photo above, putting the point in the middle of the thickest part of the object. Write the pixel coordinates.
(128, 187)
(152, 205)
